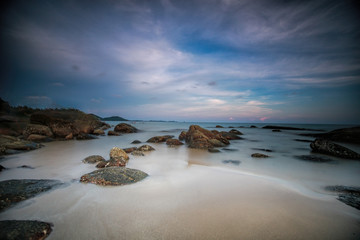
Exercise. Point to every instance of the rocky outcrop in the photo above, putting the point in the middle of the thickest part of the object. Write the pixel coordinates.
(198, 137)
(93, 159)
(182, 136)
(9, 143)
(37, 129)
(114, 176)
(346, 135)
(173, 142)
(13, 191)
(259, 155)
(333, 149)
(24, 229)
(347, 195)
(125, 128)
(118, 157)
(158, 139)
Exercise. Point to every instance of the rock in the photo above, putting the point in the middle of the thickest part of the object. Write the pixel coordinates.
(198, 137)
(13, 191)
(253, 126)
(313, 158)
(37, 138)
(333, 149)
(101, 164)
(219, 126)
(118, 157)
(230, 149)
(13, 143)
(113, 133)
(259, 155)
(113, 176)
(69, 137)
(230, 136)
(158, 139)
(347, 135)
(234, 131)
(235, 162)
(130, 150)
(93, 159)
(137, 153)
(98, 132)
(182, 136)
(85, 136)
(26, 166)
(173, 142)
(263, 149)
(145, 148)
(135, 142)
(38, 130)
(24, 229)
(347, 195)
(2, 168)
(213, 150)
(125, 128)
(231, 127)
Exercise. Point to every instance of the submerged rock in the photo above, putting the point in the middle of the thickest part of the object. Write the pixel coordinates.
(24, 229)
(113, 133)
(13, 191)
(137, 153)
(93, 159)
(125, 128)
(136, 142)
(347, 195)
(145, 148)
(219, 126)
(333, 149)
(235, 162)
(213, 150)
(114, 176)
(237, 132)
(259, 155)
(313, 158)
(158, 139)
(173, 142)
(263, 149)
(230, 135)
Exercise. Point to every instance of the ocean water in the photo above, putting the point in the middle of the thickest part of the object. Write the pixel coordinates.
(191, 193)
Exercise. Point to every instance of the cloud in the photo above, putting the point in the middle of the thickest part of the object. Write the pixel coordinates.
(58, 84)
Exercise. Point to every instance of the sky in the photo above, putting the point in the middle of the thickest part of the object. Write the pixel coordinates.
(197, 60)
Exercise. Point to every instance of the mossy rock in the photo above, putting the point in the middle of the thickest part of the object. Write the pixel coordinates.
(114, 176)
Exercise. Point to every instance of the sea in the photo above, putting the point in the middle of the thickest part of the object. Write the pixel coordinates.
(192, 193)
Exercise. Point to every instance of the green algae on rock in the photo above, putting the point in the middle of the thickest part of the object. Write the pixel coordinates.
(114, 176)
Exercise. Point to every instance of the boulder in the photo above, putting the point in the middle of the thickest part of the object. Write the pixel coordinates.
(113, 133)
(333, 149)
(125, 128)
(98, 132)
(13, 143)
(259, 155)
(137, 153)
(135, 142)
(234, 131)
(173, 142)
(130, 150)
(13, 191)
(219, 126)
(93, 159)
(38, 130)
(230, 136)
(198, 137)
(69, 137)
(158, 139)
(101, 164)
(182, 136)
(114, 176)
(24, 229)
(146, 148)
(213, 150)
(118, 157)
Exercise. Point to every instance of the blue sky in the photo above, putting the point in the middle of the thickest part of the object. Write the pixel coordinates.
(223, 60)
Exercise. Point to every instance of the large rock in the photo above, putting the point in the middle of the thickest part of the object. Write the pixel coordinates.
(347, 135)
(24, 229)
(13, 191)
(173, 142)
(37, 129)
(333, 149)
(198, 137)
(13, 143)
(118, 157)
(125, 128)
(158, 139)
(114, 176)
(38, 138)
